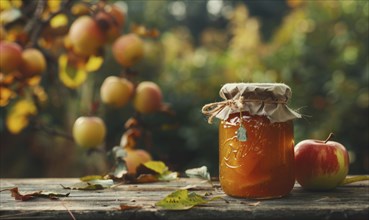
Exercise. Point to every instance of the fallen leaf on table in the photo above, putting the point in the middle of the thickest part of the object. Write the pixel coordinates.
(146, 178)
(120, 170)
(201, 172)
(124, 207)
(168, 176)
(154, 171)
(250, 203)
(157, 166)
(91, 185)
(91, 177)
(40, 194)
(182, 200)
(253, 203)
(354, 179)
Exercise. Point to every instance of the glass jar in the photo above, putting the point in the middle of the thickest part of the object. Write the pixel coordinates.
(262, 166)
(256, 140)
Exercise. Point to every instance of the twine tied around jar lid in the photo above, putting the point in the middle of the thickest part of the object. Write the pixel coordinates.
(267, 99)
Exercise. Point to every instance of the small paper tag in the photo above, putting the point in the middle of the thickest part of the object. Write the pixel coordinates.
(241, 134)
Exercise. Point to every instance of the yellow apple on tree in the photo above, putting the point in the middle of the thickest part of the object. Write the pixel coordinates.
(89, 132)
(148, 97)
(85, 35)
(33, 62)
(116, 91)
(321, 165)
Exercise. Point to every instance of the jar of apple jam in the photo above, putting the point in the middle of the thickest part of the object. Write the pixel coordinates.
(256, 141)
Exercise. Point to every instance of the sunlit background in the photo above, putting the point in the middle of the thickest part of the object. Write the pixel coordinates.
(318, 48)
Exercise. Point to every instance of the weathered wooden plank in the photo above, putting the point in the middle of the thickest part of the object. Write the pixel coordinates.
(349, 202)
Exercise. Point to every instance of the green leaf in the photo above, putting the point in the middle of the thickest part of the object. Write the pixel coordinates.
(201, 172)
(182, 200)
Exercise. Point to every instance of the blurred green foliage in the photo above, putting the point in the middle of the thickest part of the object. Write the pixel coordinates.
(318, 48)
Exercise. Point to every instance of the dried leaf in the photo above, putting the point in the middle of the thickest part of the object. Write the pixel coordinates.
(34, 81)
(125, 207)
(144, 32)
(201, 172)
(131, 122)
(128, 138)
(49, 195)
(118, 152)
(17, 118)
(91, 185)
(182, 200)
(190, 187)
(253, 203)
(168, 176)
(120, 170)
(146, 178)
(10, 15)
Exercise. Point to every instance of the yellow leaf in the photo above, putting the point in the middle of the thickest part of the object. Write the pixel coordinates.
(70, 76)
(182, 200)
(5, 95)
(93, 63)
(60, 20)
(40, 94)
(7, 4)
(6, 79)
(34, 81)
(54, 5)
(17, 118)
(91, 177)
(157, 166)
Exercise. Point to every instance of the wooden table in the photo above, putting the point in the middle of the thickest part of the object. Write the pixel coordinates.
(348, 202)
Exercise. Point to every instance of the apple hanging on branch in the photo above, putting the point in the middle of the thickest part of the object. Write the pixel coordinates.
(89, 131)
(322, 165)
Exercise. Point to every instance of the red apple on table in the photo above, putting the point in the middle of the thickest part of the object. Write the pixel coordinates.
(321, 165)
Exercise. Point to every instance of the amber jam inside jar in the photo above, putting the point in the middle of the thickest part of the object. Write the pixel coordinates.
(262, 166)
(256, 155)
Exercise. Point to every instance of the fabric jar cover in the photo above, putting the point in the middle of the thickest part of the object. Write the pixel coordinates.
(264, 99)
